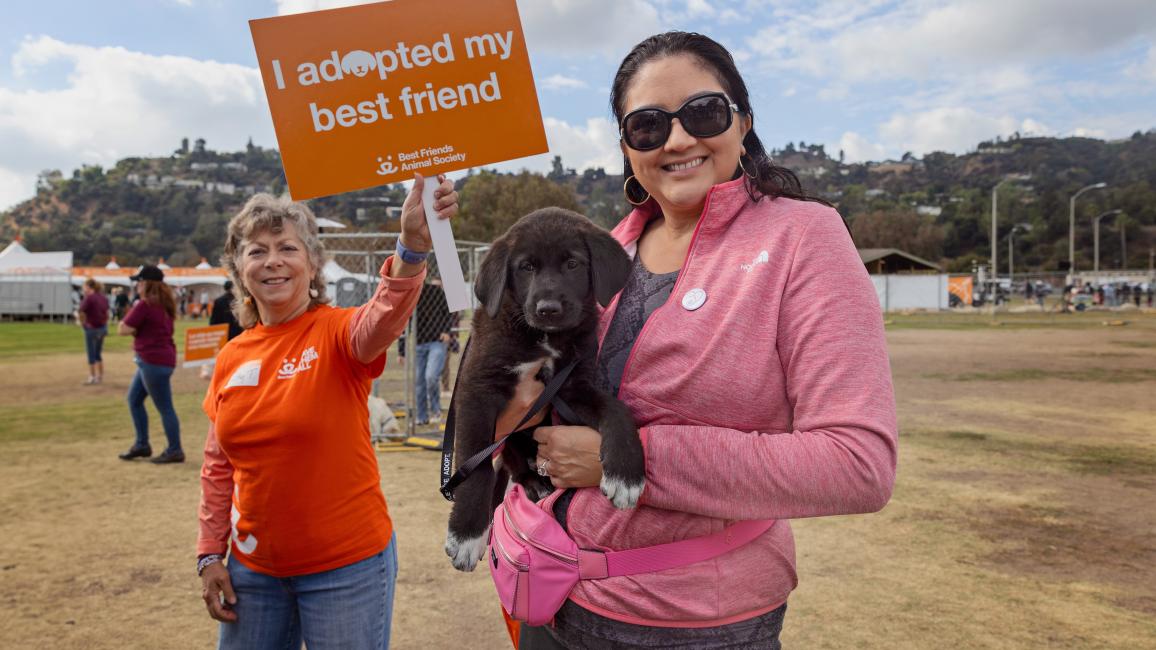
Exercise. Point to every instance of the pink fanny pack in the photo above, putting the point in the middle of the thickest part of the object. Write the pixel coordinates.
(536, 564)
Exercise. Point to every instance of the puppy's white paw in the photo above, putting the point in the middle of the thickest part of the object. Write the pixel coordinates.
(466, 553)
(622, 493)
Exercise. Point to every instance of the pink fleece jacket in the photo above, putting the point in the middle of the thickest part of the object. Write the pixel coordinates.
(771, 399)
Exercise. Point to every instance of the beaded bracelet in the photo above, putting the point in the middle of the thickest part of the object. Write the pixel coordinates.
(206, 560)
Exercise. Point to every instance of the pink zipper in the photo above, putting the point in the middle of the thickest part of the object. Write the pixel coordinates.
(525, 538)
(673, 292)
(521, 566)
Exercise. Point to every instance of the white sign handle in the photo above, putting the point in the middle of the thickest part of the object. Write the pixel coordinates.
(446, 249)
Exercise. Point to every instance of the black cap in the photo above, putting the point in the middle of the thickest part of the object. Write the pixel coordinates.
(148, 272)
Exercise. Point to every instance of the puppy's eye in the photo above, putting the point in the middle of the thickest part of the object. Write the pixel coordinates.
(526, 266)
(572, 264)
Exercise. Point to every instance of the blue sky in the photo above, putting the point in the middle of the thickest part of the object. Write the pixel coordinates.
(89, 82)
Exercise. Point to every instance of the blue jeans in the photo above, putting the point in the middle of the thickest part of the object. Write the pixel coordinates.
(431, 358)
(153, 381)
(347, 607)
(93, 342)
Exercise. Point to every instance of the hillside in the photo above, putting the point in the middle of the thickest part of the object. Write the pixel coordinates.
(937, 206)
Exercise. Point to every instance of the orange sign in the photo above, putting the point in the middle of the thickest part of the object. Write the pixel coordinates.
(961, 286)
(372, 94)
(203, 343)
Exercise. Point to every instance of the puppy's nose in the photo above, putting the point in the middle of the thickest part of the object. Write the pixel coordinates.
(548, 308)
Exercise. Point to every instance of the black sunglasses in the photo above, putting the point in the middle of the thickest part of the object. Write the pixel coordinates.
(704, 116)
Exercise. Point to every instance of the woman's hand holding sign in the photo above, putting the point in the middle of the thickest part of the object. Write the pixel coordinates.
(415, 235)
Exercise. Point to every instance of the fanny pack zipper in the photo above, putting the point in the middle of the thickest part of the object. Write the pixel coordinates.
(502, 549)
(525, 538)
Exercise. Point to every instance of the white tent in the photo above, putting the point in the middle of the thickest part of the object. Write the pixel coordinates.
(35, 284)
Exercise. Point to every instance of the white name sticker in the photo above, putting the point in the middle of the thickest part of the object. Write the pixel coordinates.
(247, 375)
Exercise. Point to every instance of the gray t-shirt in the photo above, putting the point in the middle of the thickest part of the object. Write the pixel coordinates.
(644, 292)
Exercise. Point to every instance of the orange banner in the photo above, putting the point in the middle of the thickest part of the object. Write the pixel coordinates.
(372, 94)
(203, 343)
(961, 287)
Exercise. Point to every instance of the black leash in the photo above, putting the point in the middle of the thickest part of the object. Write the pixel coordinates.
(548, 396)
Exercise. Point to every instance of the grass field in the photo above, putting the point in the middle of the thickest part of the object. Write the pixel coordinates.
(1023, 515)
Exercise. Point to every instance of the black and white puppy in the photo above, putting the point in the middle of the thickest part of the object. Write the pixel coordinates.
(538, 285)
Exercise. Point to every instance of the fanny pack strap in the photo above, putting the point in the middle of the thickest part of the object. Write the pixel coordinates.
(549, 395)
(597, 564)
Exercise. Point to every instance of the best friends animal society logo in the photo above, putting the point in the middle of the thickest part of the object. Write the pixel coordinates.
(345, 84)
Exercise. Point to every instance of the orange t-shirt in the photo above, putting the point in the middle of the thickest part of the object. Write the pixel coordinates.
(288, 403)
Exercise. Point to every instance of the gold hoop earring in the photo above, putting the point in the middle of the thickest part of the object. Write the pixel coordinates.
(745, 172)
(626, 191)
(248, 301)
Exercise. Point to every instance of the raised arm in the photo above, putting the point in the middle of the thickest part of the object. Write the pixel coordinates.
(378, 323)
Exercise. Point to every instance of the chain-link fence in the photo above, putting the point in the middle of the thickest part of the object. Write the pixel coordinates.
(423, 364)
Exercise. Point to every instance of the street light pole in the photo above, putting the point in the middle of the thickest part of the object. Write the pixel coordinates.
(1096, 236)
(1072, 224)
(1026, 227)
(994, 231)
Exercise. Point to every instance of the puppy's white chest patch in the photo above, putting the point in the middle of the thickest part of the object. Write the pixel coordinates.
(545, 343)
(531, 368)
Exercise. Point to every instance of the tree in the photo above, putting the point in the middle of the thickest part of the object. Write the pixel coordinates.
(557, 172)
(489, 202)
(904, 230)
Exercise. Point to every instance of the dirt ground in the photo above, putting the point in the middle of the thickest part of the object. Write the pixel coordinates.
(1023, 515)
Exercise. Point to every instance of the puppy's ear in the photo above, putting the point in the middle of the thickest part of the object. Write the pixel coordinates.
(609, 264)
(491, 281)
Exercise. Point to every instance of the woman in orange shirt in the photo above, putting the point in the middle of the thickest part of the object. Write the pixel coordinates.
(289, 475)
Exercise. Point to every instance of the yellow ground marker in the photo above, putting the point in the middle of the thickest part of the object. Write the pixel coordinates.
(390, 447)
(420, 442)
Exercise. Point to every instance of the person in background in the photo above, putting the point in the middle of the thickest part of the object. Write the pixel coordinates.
(222, 312)
(290, 488)
(120, 302)
(433, 328)
(453, 347)
(150, 323)
(748, 344)
(93, 316)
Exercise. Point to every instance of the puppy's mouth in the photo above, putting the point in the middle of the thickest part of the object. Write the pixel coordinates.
(549, 324)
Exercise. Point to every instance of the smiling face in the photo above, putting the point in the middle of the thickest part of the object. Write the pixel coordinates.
(681, 172)
(276, 270)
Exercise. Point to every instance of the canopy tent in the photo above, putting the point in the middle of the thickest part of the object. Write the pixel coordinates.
(16, 256)
(35, 284)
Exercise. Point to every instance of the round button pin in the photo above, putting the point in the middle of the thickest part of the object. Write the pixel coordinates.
(693, 299)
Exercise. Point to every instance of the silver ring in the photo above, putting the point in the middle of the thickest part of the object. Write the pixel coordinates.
(542, 467)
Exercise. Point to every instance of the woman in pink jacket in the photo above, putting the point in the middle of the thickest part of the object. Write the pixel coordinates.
(749, 346)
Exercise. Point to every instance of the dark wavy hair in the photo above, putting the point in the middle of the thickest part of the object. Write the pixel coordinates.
(765, 177)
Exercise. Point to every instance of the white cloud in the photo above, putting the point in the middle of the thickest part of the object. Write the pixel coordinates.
(594, 144)
(562, 82)
(584, 27)
(857, 148)
(1032, 127)
(699, 9)
(285, 7)
(116, 103)
(943, 129)
(1083, 132)
(923, 39)
(1144, 70)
